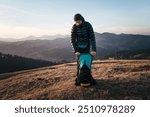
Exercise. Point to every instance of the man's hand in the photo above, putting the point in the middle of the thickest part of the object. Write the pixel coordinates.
(93, 53)
(77, 54)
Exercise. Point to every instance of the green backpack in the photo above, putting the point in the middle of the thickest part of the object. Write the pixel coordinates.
(84, 63)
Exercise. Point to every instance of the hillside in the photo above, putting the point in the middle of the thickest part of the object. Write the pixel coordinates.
(116, 79)
(12, 63)
(131, 54)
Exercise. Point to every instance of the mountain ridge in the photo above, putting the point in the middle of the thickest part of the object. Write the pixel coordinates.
(43, 37)
(59, 50)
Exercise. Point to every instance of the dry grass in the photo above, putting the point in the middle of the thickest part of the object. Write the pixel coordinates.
(116, 79)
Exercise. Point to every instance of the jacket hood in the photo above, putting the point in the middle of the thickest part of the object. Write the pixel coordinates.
(78, 17)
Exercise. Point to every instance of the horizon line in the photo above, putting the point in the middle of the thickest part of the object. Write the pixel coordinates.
(70, 34)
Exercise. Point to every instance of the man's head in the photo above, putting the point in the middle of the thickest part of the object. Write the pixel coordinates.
(78, 18)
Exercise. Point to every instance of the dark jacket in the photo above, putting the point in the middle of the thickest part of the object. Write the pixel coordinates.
(82, 38)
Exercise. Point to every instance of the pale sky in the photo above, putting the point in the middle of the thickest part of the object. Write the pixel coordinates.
(22, 18)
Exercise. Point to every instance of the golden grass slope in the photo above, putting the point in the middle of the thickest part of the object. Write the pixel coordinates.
(116, 79)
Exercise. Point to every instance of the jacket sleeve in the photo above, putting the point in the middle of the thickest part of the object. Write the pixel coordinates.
(73, 39)
(92, 37)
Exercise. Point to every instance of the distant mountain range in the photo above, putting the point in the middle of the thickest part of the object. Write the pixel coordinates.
(44, 37)
(59, 50)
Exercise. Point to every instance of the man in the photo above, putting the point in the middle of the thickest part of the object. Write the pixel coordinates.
(82, 37)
